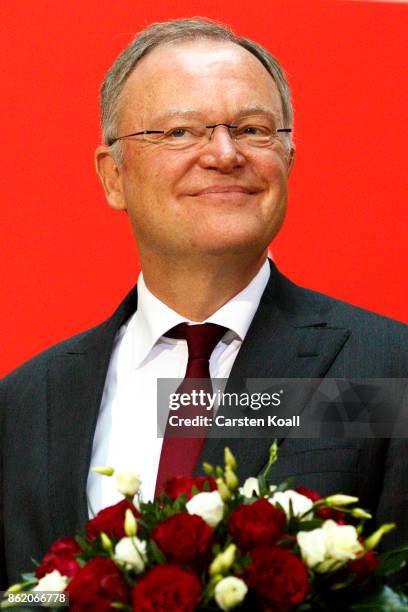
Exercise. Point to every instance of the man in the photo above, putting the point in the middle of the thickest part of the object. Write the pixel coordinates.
(197, 150)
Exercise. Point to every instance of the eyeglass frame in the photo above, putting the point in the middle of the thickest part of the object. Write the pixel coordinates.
(112, 141)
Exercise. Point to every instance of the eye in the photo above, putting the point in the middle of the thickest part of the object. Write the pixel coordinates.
(178, 132)
(251, 129)
(254, 130)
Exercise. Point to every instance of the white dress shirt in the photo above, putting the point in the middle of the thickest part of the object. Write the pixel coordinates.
(126, 430)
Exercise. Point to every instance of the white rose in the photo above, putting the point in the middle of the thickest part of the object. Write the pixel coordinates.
(207, 505)
(312, 546)
(250, 488)
(341, 541)
(300, 503)
(127, 482)
(329, 547)
(132, 553)
(53, 581)
(230, 592)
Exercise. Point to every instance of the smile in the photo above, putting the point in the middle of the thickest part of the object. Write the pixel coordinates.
(224, 190)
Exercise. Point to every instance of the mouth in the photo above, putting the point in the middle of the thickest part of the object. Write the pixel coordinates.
(224, 190)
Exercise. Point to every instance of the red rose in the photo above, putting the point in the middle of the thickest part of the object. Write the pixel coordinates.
(324, 512)
(256, 524)
(183, 484)
(110, 520)
(308, 493)
(61, 557)
(365, 565)
(278, 577)
(167, 588)
(96, 586)
(183, 537)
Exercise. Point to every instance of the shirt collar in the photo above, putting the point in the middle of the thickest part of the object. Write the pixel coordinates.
(153, 318)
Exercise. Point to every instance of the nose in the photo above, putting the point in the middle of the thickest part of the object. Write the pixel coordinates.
(221, 152)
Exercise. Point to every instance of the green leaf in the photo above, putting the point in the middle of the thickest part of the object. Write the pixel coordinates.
(286, 484)
(157, 554)
(392, 560)
(84, 543)
(263, 485)
(310, 525)
(28, 577)
(383, 600)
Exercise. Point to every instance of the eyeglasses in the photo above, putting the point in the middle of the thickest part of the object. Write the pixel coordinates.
(252, 132)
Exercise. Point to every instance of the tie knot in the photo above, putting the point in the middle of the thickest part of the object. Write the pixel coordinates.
(201, 339)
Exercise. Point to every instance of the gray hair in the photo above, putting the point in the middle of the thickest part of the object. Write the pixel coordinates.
(169, 32)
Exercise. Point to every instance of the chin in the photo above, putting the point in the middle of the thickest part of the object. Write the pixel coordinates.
(238, 237)
(233, 245)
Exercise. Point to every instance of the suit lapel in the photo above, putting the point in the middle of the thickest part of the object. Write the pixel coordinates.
(76, 381)
(288, 338)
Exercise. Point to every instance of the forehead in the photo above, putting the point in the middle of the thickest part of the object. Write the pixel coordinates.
(207, 76)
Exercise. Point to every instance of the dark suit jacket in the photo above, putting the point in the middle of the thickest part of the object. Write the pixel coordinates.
(49, 408)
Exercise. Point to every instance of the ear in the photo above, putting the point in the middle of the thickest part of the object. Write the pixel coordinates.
(291, 158)
(109, 172)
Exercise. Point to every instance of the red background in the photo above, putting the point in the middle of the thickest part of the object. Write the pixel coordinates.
(67, 259)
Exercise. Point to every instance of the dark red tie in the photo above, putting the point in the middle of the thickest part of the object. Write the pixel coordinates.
(179, 456)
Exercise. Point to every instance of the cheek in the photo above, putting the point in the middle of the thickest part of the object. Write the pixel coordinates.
(154, 175)
(139, 184)
(150, 198)
(274, 177)
(271, 166)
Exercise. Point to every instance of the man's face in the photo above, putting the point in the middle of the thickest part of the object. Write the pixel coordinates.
(213, 199)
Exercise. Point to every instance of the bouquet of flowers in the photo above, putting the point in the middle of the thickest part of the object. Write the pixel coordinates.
(210, 544)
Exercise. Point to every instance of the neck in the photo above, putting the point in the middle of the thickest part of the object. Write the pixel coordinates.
(198, 289)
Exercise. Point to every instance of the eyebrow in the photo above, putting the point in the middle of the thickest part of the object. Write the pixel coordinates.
(189, 113)
(178, 112)
(254, 109)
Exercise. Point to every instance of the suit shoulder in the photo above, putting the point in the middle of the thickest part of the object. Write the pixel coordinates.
(376, 346)
(344, 314)
(297, 300)
(36, 366)
(97, 337)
